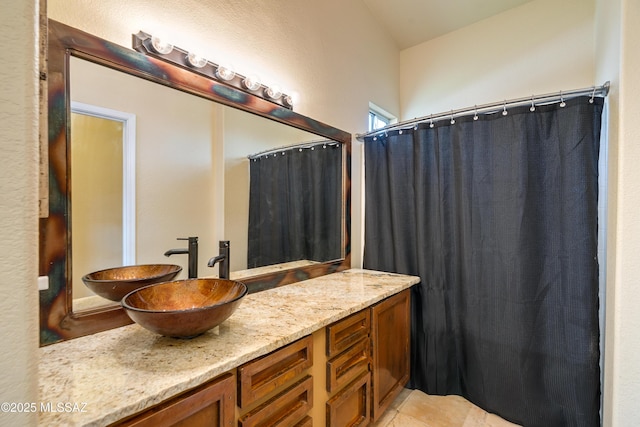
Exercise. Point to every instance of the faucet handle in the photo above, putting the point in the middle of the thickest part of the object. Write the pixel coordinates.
(190, 239)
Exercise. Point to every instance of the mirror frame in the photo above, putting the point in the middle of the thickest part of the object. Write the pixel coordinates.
(58, 321)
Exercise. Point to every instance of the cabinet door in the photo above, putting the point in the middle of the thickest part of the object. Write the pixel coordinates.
(350, 407)
(212, 404)
(390, 336)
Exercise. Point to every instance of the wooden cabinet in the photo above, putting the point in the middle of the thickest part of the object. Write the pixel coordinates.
(288, 408)
(212, 404)
(360, 371)
(348, 371)
(271, 391)
(349, 365)
(346, 332)
(369, 361)
(262, 376)
(390, 337)
(351, 406)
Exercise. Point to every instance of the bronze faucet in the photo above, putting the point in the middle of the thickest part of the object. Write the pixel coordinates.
(223, 258)
(192, 251)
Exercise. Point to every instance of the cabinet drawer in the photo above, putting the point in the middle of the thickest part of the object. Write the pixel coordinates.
(209, 405)
(349, 365)
(286, 409)
(260, 377)
(346, 332)
(351, 406)
(306, 422)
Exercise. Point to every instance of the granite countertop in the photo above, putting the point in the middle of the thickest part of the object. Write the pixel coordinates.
(101, 378)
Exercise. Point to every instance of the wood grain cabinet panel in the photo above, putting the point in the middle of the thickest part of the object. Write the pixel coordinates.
(351, 406)
(288, 408)
(306, 422)
(212, 404)
(390, 336)
(258, 378)
(349, 365)
(343, 334)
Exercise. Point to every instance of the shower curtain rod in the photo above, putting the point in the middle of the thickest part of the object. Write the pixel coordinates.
(302, 145)
(494, 107)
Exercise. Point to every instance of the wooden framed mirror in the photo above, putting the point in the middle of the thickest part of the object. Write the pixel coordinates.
(80, 63)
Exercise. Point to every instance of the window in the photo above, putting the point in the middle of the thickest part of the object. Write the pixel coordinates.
(379, 118)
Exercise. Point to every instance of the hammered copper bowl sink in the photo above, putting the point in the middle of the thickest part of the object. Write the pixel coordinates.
(184, 308)
(114, 283)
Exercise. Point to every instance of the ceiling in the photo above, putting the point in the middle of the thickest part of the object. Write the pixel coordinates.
(411, 22)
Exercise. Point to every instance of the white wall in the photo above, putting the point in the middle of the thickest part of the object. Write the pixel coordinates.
(18, 207)
(608, 36)
(330, 52)
(618, 37)
(540, 47)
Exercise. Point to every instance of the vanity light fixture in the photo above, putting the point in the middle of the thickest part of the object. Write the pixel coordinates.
(160, 49)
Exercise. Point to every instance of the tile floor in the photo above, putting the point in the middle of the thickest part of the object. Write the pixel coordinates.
(414, 408)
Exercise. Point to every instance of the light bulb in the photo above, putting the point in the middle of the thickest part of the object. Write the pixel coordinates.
(273, 92)
(225, 73)
(252, 82)
(161, 46)
(196, 61)
(292, 98)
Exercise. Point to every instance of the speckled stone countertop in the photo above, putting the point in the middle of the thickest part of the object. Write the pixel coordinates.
(101, 378)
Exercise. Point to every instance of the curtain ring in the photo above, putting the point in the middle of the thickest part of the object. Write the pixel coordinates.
(431, 121)
(562, 103)
(452, 119)
(593, 95)
(475, 112)
(533, 106)
(504, 108)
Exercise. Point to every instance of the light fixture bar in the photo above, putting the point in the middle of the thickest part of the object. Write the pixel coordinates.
(146, 44)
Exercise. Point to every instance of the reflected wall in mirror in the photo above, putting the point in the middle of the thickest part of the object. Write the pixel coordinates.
(190, 157)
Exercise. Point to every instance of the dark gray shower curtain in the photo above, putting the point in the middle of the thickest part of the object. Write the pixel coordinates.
(498, 217)
(295, 206)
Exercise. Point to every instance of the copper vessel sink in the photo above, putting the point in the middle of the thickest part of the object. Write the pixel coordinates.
(184, 308)
(114, 283)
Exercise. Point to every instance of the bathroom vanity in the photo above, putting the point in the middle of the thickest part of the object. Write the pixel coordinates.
(313, 344)
(332, 350)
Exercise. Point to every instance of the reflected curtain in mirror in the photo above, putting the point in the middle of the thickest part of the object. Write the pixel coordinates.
(498, 216)
(295, 205)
